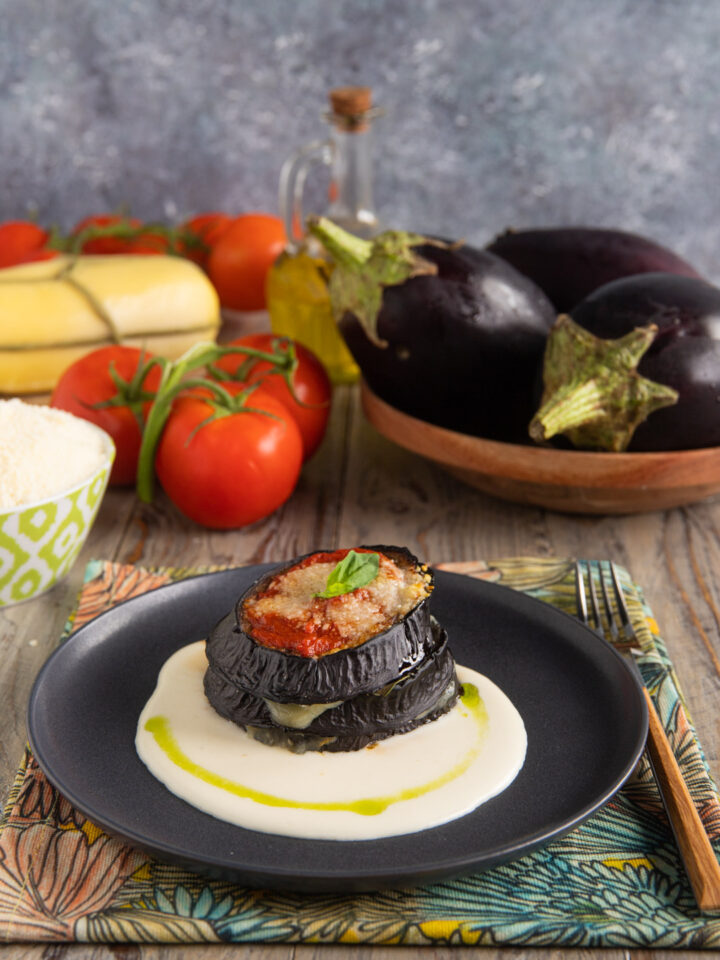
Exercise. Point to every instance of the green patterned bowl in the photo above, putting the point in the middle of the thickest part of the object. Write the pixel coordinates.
(39, 542)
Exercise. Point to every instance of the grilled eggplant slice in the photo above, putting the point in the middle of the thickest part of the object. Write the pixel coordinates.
(285, 677)
(414, 695)
(301, 742)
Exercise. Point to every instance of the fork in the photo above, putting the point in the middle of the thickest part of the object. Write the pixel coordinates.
(698, 856)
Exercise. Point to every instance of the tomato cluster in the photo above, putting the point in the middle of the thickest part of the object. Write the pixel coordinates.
(23, 242)
(229, 450)
(228, 447)
(236, 252)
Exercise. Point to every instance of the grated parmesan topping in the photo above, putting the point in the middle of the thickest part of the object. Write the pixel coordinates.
(357, 615)
(44, 452)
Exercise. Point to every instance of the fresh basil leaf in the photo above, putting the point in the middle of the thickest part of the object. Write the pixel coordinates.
(354, 570)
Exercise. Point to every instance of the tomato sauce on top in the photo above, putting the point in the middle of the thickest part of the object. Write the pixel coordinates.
(287, 615)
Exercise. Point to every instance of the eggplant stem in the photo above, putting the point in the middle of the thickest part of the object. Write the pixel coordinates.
(575, 405)
(344, 247)
(363, 269)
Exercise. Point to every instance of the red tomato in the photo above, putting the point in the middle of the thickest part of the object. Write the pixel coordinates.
(88, 382)
(239, 261)
(311, 385)
(207, 228)
(105, 244)
(232, 470)
(131, 237)
(22, 241)
(149, 242)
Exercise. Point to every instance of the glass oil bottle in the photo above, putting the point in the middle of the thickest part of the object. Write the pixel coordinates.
(297, 293)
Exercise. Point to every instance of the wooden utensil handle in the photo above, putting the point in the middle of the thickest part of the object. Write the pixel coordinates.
(699, 858)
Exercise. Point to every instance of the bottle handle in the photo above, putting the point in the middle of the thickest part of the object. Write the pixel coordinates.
(292, 185)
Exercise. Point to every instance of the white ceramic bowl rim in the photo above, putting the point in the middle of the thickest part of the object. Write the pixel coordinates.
(109, 456)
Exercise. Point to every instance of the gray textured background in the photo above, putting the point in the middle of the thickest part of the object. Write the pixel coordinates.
(522, 112)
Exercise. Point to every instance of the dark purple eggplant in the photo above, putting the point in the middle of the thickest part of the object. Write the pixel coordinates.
(444, 332)
(681, 357)
(568, 263)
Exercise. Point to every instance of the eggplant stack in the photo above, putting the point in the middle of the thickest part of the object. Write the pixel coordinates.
(307, 671)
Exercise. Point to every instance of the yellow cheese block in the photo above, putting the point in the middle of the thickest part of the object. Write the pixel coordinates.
(54, 311)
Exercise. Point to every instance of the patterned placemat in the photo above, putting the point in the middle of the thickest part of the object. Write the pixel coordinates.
(614, 881)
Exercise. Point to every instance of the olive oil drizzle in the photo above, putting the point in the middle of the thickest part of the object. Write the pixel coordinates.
(159, 727)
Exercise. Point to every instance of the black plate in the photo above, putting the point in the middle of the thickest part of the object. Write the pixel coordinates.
(582, 707)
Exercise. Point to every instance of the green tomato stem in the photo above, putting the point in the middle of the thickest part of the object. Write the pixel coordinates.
(175, 379)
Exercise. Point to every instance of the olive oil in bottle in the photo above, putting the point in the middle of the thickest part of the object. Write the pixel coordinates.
(297, 293)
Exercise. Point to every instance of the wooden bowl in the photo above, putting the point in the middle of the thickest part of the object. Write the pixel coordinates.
(566, 480)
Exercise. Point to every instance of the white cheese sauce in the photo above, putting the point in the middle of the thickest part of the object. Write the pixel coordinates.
(435, 773)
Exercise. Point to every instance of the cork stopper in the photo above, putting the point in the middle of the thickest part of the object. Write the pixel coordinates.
(350, 106)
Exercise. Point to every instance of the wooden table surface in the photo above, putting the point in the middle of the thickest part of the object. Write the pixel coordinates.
(360, 488)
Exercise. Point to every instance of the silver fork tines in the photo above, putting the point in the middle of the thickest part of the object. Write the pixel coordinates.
(623, 634)
(618, 625)
(591, 618)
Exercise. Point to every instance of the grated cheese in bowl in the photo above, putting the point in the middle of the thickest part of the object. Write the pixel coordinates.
(54, 468)
(44, 452)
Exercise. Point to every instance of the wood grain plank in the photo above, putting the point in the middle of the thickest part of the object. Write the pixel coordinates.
(84, 951)
(320, 952)
(351, 952)
(393, 496)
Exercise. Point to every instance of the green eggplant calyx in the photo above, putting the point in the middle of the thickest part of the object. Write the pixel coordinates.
(592, 392)
(363, 268)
